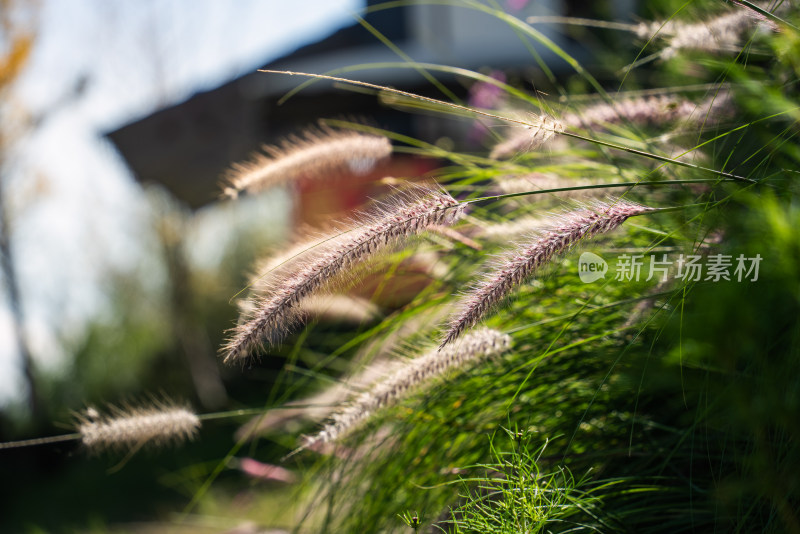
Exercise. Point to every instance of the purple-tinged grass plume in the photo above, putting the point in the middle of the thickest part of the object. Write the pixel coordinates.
(134, 427)
(648, 111)
(397, 384)
(409, 214)
(568, 230)
(316, 154)
(718, 33)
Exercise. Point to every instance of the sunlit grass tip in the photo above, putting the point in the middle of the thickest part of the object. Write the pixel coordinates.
(406, 214)
(517, 266)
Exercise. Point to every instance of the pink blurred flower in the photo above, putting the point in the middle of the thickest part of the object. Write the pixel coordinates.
(516, 5)
(256, 469)
(487, 96)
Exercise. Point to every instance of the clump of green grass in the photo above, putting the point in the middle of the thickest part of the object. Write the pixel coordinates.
(515, 495)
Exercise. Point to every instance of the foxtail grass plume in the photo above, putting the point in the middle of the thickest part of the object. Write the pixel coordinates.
(568, 230)
(408, 214)
(527, 139)
(133, 427)
(416, 373)
(316, 154)
(717, 33)
(648, 111)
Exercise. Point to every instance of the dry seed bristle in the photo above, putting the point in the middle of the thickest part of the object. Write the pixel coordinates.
(410, 214)
(519, 265)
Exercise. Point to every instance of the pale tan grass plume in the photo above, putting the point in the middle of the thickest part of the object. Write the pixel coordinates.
(316, 154)
(130, 428)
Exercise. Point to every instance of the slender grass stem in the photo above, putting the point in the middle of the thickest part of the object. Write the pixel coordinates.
(577, 21)
(39, 441)
(593, 186)
(516, 121)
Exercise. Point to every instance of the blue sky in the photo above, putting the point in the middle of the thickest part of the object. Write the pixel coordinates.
(75, 206)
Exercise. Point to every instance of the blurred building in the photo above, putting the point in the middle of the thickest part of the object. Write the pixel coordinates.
(187, 147)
